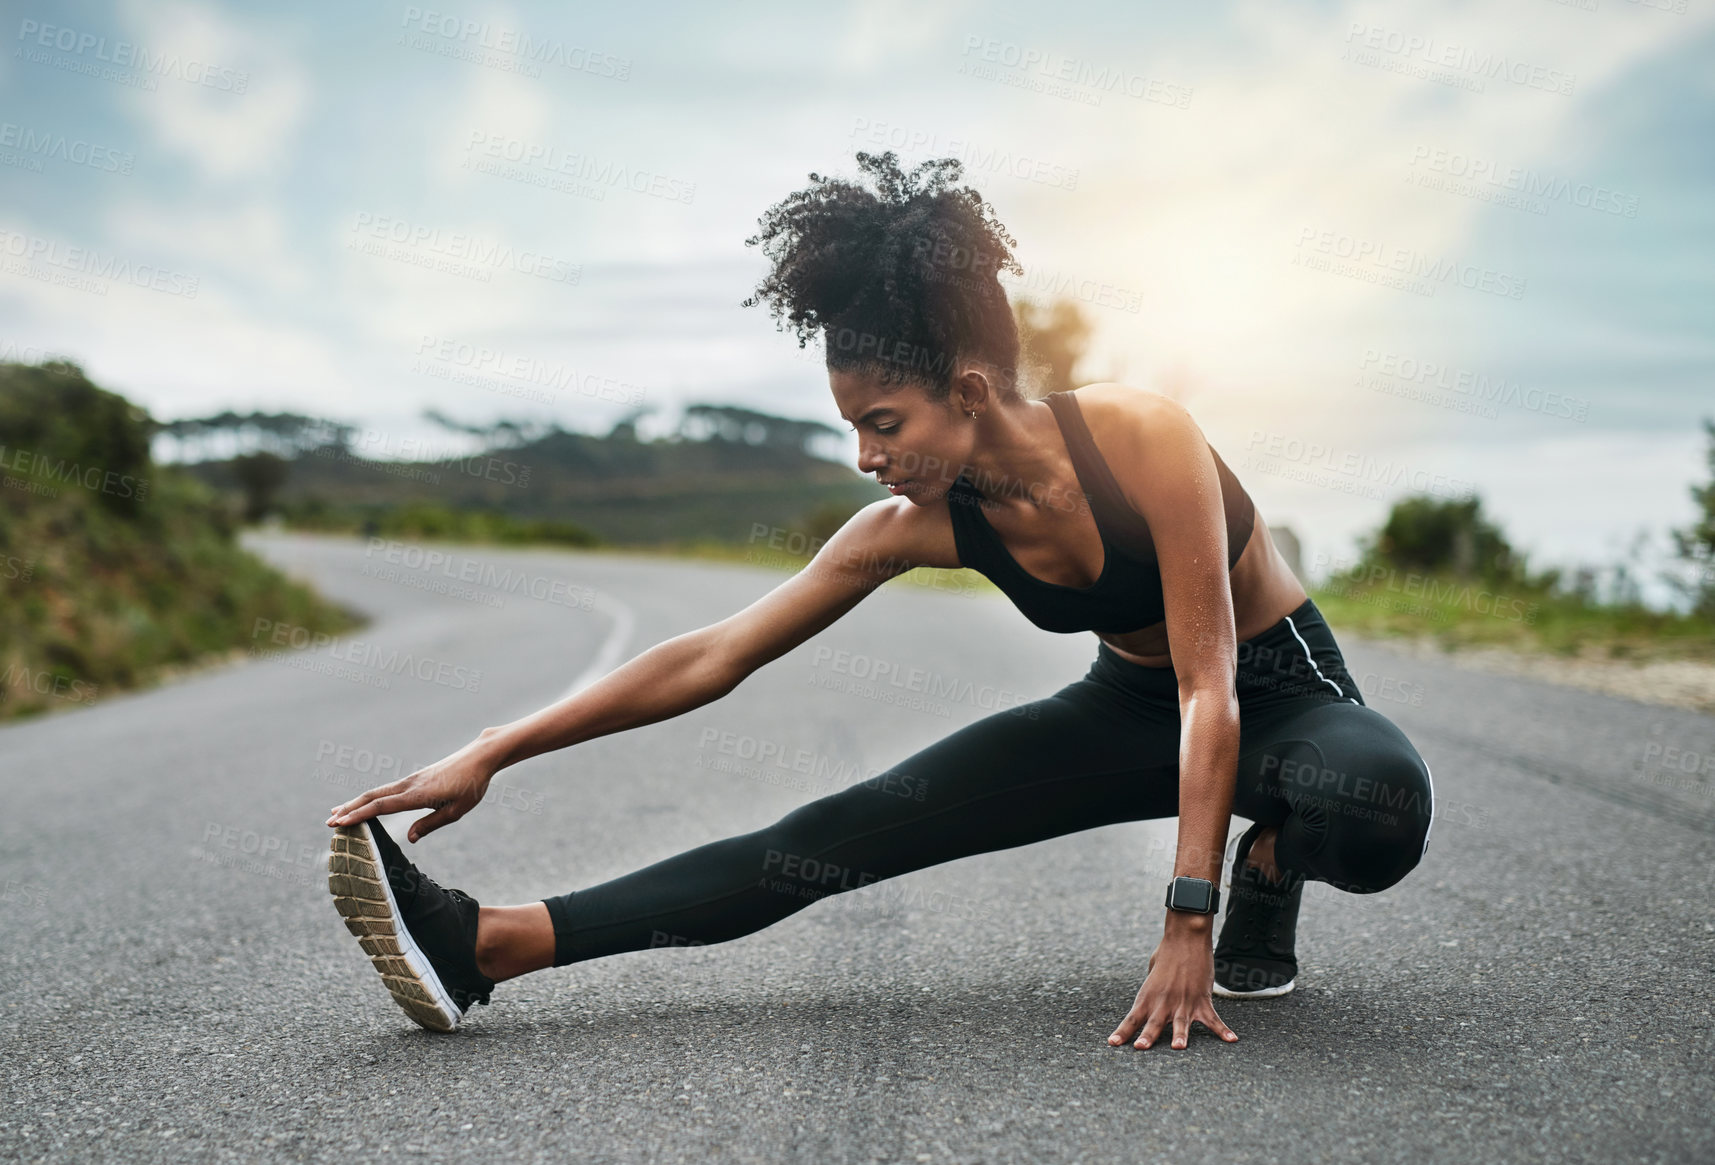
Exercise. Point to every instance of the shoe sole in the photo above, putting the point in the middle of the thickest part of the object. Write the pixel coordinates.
(1262, 993)
(365, 901)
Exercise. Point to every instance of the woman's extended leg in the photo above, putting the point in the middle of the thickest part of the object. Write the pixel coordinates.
(1069, 762)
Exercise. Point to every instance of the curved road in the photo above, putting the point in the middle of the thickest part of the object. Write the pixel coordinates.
(177, 985)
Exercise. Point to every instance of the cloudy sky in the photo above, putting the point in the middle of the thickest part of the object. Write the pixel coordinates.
(1373, 247)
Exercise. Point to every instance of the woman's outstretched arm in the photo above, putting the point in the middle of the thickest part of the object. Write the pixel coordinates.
(1170, 475)
(882, 540)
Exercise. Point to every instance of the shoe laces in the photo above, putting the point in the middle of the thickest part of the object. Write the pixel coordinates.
(1267, 902)
(459, 898)
(422, 882)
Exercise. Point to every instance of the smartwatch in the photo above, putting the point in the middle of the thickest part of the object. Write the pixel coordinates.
(1193, 896)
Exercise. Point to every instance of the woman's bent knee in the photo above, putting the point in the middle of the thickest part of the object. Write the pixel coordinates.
(1366, 804)
(1385, 834)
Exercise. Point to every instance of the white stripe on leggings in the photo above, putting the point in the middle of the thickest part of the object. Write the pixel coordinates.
(1431, 824)
(1312, 660)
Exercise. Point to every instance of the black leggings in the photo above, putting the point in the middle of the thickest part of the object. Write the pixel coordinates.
(1350, 794)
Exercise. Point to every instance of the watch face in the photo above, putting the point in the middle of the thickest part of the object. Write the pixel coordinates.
(1191, 894)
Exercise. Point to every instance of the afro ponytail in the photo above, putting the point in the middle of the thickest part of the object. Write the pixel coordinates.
(898, 275)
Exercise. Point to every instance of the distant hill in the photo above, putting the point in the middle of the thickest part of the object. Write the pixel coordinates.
(726, 470)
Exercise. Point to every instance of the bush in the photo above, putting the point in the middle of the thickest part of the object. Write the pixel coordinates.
(1696, 542)
(114, 571)
(1444, 537)
(60, 431)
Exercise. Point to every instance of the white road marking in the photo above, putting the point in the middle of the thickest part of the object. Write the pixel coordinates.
(607, 657)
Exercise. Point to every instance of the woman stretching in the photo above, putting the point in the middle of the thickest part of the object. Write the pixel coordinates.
(1216, 688)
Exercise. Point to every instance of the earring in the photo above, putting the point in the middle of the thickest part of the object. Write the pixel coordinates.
(973, 414)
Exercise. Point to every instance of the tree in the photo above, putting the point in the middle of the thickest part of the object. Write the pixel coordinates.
(1449, 536)
(1055, 338)
(260, 476)
(625, 429)
(1696, 542)
(502, 434)
(707, 422)
(284, 434)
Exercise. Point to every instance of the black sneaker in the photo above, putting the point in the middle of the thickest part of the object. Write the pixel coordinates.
(1254, 958)
(420, 937)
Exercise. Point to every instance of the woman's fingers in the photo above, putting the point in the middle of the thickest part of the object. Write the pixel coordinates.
(360, 800)
(1151, 1030)
(1211, 1020)
(380, 806)
(363, 799)
(1127, 1028)
(423, 826)
(449, 788)
(1149, 1026)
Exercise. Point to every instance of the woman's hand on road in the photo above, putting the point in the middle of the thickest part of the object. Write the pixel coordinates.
(451, 787)
(1176, 992)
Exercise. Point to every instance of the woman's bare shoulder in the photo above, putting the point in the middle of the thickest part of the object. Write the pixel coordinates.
(900, 533)
(1128, 421)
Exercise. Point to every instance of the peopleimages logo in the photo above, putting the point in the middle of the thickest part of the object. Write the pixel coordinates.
(604, 173)
(1496, 390)
(1429, 53)
(126, 54)
(1360, 467)
(1376, 259)
(980, 157)
(31, 250)
(481, 572)
(1043, 281)
(887, 676)
(36, 145)
(395, 238)
(455, 31)
(751, 756)
(465, 362)
(365, 655)
(17, 678)
(1479, 173)
(1055, 73)
(91, 477)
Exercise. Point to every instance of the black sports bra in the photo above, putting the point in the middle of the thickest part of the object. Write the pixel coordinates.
(1127, 595)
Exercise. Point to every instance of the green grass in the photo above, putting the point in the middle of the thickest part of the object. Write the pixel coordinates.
(1451, 612)
(435, 523)
(1459, 614)
(946, 581)
(424, 521)
(94, 600)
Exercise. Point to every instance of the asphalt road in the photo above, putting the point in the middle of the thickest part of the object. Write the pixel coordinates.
(177, 986)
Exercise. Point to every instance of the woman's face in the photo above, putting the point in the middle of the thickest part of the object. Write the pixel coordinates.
(915, 446)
